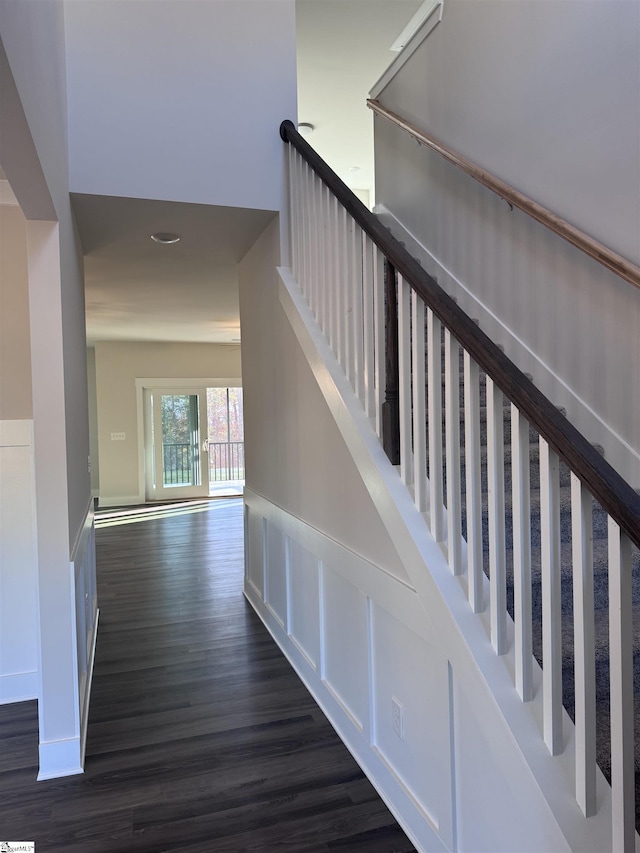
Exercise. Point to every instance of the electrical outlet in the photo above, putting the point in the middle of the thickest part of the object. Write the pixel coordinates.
(397, 717)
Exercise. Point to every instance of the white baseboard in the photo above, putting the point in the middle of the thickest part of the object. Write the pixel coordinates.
(122, 500)
(18, 687)
(60, 758)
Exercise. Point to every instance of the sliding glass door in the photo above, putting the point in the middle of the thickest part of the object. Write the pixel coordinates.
(180, 465)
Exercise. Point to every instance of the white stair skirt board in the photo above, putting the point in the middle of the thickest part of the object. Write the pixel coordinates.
(497, 744)
(18, 687)
(60, 758)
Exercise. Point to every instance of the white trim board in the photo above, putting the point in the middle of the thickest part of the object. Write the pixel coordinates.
(19, 687)
(60, 758)
(433, 17)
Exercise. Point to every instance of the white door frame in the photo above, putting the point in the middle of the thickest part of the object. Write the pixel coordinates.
(159, 383)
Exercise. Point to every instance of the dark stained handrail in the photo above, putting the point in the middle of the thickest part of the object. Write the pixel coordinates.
(596, 250)
(615, 495)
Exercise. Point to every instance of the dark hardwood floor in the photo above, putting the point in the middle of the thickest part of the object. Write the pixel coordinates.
(201, 736)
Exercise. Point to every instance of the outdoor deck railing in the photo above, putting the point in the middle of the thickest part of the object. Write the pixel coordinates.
(226, 460)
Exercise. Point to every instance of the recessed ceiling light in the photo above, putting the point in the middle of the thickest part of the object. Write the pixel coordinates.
(165, 237)
(305, 128)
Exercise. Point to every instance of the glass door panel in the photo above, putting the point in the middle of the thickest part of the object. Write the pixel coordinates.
(180, 456)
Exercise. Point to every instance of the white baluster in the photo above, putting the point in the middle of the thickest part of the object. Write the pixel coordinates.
(621, 687)
(325, 262)
(333, 273)
(306, 231)
(551, 601)
(404, 370)
(318, 246)
(291, 159)
(343, 287)
(312, 242)
(320, 251)
(521, 501)
(584, 645)
(368, 325)
(379, 343)
(434, 346)
(348, 284)
(495, 482)
(295, 214)
(358, 314)
(419, 404)
(473, 483)
(452, 450)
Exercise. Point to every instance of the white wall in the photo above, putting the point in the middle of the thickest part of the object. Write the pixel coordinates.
(294, 454)
(545, 96)
(184, 102)
(34, 156)
(118, 365)
(19, 650)
(18, 564)
(15, 338)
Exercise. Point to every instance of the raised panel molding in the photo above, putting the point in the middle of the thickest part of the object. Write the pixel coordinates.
(413, 675)
(275, 593)
(326, 633)
(345, 658)
(304, 602)
(254, 550)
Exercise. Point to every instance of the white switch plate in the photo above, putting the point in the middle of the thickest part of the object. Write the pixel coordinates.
(118, 436)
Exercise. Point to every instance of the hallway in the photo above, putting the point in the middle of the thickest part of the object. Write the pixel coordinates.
(201, 737)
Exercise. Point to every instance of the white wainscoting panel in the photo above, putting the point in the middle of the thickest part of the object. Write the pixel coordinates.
(254, 550)
(330, 593)
(502, 816)
(304, 602)
(276, 573)
(19, 678)
(344, 631)
(412, 674)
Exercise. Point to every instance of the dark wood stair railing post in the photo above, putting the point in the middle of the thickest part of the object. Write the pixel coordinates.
(391, 405)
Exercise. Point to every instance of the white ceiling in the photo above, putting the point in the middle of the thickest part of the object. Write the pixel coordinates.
(140, 290)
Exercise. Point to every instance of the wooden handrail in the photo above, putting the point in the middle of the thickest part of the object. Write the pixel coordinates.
(615, 495)
(599, 252)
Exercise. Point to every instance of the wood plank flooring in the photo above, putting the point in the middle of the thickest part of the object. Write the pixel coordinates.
(201, 736)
